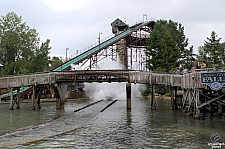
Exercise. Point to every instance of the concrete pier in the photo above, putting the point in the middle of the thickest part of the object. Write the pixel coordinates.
(60, 95)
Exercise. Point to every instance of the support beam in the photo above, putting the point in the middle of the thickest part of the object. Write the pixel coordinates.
(197, 103)
(38, 96)
(33, 98)
(152, 100)
(60, 95)
(0, 95)
(128, 92)
(220, 109)
(11, 99)
(185, 99)
(18, 98)
(172, 98)
(175, 98)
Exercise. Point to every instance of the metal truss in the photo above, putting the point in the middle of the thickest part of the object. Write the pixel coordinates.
(129, 50)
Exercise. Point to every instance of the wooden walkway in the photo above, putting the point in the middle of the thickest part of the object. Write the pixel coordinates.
(191, 80)
(197, 94)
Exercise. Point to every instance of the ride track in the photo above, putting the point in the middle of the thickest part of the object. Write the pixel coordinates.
(48, 122)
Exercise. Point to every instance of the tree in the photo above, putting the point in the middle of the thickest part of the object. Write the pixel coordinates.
(166, 46)
(55, 62)
(211, 51)
(41, 60)
(222, 56)
(146, 91)
(19, 46)
(188, 58)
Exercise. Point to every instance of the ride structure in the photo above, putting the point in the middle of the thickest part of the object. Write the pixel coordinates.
(201, 91)
(127, 44)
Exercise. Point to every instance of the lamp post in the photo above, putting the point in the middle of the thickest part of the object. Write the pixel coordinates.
(145, 16)
(66, 53)
(99, 42)
(61, 62)
(99, 39)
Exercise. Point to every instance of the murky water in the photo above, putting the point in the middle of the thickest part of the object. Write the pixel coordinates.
(113, 128)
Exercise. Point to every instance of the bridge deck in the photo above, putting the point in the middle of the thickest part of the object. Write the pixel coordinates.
(191, 80)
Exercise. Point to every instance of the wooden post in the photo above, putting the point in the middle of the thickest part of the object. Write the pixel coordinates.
(18, 98)
(172, 98)
(128, 92)
(33, 98)
(197, 102)
(190, 97)
(38, 96)
(153, 102)
(0, 95)
(220, 109)
(184, 100)
(175, 99)
(11, 99)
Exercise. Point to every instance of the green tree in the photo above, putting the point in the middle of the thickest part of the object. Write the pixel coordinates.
(222, 56)
(188, 58)
(202, 55)
(146, 91)
(55, 62)
(166, 46)
(211, 51)
(19, 46)
(41, 60)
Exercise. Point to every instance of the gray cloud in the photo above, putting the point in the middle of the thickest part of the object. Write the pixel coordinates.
(79, 27)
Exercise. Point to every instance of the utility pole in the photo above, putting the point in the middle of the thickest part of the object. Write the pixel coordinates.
(66, 53)
(99, 42)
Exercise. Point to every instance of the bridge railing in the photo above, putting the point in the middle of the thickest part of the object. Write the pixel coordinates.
(139, 77)
(190, 80)
(26, 80)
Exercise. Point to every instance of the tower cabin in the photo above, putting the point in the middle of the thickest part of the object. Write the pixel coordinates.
(118, 26)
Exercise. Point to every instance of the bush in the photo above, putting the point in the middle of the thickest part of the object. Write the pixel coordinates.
(167, 95)
(147, 91)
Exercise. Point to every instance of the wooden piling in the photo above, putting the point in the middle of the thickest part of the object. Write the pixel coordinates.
(33, 98)
(11, 99)
(18, 98)
(128, 92)
(152, 100)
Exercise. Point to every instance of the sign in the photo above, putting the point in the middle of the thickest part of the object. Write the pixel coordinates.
(216, 141)
(215, 80)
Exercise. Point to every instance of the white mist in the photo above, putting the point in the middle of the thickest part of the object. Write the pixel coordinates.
(114, 90)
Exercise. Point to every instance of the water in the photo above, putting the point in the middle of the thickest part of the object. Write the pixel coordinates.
(114, 128)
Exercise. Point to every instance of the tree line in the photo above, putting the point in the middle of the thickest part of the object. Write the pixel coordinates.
(167, 48)
(21, 51)
(20, 48)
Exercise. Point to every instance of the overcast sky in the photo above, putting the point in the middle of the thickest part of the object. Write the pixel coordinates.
(76, 24)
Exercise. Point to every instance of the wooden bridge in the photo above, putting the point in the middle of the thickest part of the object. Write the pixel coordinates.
(196, 96)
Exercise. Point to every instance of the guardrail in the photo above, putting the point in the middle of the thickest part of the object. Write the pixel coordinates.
(190, 80)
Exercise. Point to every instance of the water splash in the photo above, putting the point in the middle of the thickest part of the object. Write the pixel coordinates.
(109, 91)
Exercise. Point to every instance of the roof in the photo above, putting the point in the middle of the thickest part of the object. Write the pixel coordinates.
(1, 65)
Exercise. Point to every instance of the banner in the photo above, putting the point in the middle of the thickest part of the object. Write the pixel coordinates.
(215, 80)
